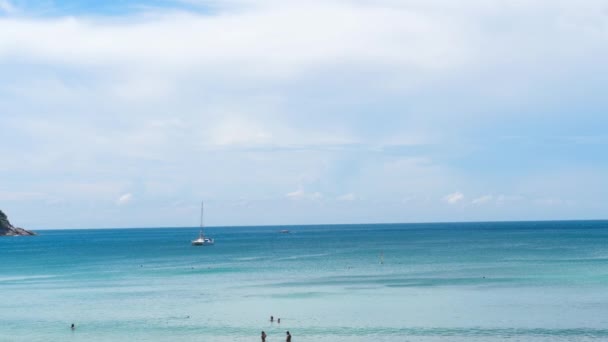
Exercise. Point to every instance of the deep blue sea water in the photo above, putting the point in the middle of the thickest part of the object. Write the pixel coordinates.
(518, 281)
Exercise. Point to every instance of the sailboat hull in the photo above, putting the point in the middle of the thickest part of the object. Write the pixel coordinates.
(202, 242)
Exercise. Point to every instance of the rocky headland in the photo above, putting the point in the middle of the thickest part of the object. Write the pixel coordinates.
(7, 229)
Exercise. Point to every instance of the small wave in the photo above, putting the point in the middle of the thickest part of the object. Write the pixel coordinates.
(304, 256)
(248, 258)
(22, 278)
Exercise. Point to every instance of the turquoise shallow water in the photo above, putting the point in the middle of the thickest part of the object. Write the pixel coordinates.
(519, 281)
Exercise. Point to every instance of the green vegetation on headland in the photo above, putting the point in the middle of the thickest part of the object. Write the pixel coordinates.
(7, 229)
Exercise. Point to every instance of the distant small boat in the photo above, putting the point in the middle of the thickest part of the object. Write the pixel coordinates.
(284, 231)
(202, 239)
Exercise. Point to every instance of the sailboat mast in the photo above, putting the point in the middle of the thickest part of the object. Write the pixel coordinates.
(202, 209)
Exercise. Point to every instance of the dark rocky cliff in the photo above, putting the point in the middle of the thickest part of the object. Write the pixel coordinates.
(7, 229)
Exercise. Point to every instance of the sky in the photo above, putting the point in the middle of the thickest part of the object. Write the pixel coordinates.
(130, 113)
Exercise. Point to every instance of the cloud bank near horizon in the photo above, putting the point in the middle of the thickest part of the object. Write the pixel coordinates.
(372, 111)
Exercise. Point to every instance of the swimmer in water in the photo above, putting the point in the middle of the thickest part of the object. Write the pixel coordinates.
(263, 336)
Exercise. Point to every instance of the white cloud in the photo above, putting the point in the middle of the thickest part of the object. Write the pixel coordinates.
(482, 199)
(408, 199)
(502, 199)
(243, 41)
(300, 194)
(246, 99)
(233, 131)
(348, 197)
(497, 199)
(7, 7)
(182, 41)
(553, 201)
(453, 198)
(79, 190)
(124, 199)
(23, 196)
(199, 66)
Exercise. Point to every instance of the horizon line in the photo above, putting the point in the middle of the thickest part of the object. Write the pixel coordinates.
(329, 224)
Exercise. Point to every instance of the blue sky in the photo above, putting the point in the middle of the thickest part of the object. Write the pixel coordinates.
(128, 113)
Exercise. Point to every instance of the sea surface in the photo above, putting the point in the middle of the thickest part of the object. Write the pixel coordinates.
(514, 281)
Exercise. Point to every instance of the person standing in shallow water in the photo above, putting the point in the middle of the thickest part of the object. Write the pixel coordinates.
(288, 339)
(271, 319)
(263, 336)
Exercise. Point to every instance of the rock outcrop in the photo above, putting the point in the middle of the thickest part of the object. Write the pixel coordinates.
(7, 229)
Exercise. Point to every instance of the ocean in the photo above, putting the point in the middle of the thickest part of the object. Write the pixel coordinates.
(517, 281)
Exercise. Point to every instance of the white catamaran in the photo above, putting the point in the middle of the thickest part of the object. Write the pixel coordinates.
(202, 240)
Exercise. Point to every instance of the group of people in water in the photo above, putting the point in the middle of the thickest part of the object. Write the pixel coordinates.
(287, 339)
(288, 335)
